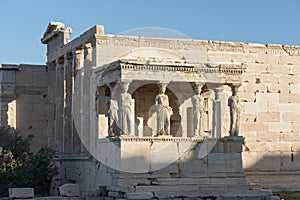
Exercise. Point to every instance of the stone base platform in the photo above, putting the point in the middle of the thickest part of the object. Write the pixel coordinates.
(203, 169)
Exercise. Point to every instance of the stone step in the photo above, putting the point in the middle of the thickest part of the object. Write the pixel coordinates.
(179, 175)
(139, 195)
(179, 181)
(201, 181)
(182, 187)
(226, 195)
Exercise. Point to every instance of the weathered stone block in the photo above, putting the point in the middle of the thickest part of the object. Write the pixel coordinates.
(170, 151)
(254, 107)
(279, 107)
(247, 96)
(248, 117)
(279, 88)
(277, 69)
(269, 161)
(252, 87)
(273, 198)
(290, 161)
(295, 146)
(268, 137)
(115, 194)
(248, 78)
(249, 160)
(69, 190)
(268, 117)
(255, 127)
(269, 78)
(257, 146)
(194, 166)
(172, 170)
(224, 162)
(289, 79)
(165, 195)
(250, 136)
(291, 117)
(244, 57)
(247, 194)
(167, 188)
(267, 97)
(289, 98)
(139, 195)
(279, 127)
(276, 147)
(219, 56)
(283, 59)
(295, 88)
(296, 69)
(256, 67)
(232, 144)
(286, 137)
(296, 126)
(21, 193)
(267, 58)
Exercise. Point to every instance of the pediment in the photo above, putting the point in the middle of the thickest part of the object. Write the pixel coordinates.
(52, 29)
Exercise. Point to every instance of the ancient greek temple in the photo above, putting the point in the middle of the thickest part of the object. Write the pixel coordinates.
(142, 118)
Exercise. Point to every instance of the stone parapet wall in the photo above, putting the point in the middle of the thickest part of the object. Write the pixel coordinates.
(194, 174)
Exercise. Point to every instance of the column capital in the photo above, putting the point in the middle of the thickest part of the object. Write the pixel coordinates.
(234, 88)
(217, 90)
(87, 48)
(68, 56)
(59, 61)
(124, 86)
(163, 83)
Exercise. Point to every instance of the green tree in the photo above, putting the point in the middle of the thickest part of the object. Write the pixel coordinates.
(7, 160)
(20, 168)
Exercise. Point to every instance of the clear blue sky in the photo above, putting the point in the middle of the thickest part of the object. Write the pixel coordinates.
(23, 22)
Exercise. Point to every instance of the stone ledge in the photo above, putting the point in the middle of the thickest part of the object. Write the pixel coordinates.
(69, 190)
(22, 193)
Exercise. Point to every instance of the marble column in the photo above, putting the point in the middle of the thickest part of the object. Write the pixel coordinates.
(86, 96)
(217, 112)
(51, 101)
(68, 136)
(59, 103)
(76, 76)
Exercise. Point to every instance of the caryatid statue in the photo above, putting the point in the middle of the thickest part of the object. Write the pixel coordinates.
(126, 110)
(112, 117)
(112, 112)
(163, 110)
(198, 109)
(233, 103)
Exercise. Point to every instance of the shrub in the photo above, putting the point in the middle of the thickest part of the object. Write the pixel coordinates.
(20, 168)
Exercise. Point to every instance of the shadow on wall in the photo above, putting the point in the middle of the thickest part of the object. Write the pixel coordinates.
(279, 171)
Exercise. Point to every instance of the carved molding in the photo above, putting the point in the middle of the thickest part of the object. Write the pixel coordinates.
(206, 45)
(148, 42)
(232, 69)
(156, 139)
